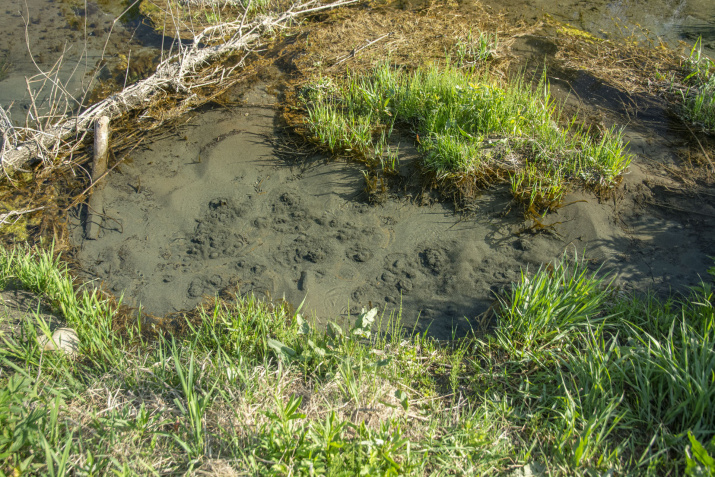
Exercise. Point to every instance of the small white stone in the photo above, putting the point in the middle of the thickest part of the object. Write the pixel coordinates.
(64, 339)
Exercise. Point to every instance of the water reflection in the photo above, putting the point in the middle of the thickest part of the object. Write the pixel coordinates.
(671, 21)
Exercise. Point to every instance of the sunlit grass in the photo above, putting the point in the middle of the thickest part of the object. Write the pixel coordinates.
(476, 49)
(699, 99)
(574, 378)
(466, 124)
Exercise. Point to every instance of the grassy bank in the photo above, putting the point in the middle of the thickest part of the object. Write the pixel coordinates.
(469, 127)
(574, 377)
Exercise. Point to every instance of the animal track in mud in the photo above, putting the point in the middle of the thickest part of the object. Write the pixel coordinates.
(214, 236)
(359, 253)
(434, 259)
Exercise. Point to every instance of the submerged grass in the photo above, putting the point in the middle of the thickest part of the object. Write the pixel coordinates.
(467, 124)
(574, 378)
(5, 68)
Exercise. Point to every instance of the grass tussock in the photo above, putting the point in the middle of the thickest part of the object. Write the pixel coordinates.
(574, 378)
(699, 97)
(467, 125)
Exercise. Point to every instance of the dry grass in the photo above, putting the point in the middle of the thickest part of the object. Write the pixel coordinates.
(631, 65)
(343, 40)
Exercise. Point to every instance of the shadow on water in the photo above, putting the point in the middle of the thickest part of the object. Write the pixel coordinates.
(701, 30)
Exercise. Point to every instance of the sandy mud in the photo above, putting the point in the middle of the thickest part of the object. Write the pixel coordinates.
(212, 208)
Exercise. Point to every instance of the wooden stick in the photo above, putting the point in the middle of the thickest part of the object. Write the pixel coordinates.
(101, 147)
(99, 168)
(78, 198)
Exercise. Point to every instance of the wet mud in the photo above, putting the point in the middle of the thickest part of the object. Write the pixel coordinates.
(214, 209)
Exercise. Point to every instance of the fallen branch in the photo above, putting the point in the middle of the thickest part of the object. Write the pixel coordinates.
(177, 73)
(5, 218)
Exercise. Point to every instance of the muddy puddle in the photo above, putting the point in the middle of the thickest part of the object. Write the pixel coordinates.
(213, 209)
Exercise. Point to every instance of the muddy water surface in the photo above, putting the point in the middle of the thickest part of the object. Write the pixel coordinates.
(672, 21)
(214, 209)
(72, 45)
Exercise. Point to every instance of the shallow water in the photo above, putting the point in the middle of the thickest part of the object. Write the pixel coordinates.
(65, 49)
(673, 21)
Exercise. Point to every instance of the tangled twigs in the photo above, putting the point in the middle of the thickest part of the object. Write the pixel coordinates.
(6, 217)
(178, 73)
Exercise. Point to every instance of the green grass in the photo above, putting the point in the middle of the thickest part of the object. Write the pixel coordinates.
(467, 125)
(699, 98)
(474, 50)
(575, 378)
